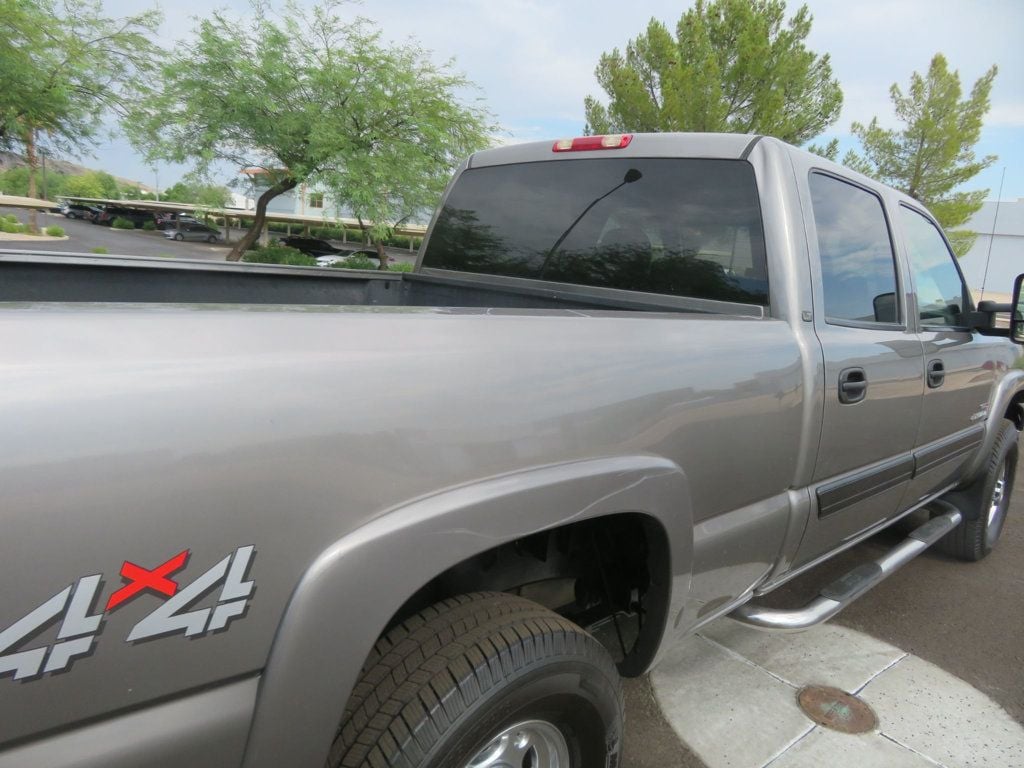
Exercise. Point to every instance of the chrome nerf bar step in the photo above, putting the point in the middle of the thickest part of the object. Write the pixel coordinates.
(848, 587)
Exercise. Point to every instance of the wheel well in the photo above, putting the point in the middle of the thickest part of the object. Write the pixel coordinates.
(611, 575)
(1015, 410)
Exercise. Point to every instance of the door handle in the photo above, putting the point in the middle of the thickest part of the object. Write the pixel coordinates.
(853, 385)
(936, 374)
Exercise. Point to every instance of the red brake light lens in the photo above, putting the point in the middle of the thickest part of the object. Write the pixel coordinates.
(587, 143)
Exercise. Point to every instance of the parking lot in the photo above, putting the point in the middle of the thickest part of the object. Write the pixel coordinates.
(83, 237)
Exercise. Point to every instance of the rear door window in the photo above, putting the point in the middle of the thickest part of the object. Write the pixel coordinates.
(684, 227)
(858, 267)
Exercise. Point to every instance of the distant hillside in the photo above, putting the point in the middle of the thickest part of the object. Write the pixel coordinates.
(10, 160)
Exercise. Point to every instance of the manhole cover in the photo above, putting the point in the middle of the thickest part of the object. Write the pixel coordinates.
(836, 709)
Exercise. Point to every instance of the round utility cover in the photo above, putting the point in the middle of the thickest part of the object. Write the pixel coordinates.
(836, 709)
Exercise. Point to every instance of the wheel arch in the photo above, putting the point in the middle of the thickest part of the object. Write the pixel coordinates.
(1007, 403)
(351, 591)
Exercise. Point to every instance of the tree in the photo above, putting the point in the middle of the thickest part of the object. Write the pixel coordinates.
(933, 154)
(15, 182)
(197, 193)
(310, 98)
(734, 66)
(65, 67)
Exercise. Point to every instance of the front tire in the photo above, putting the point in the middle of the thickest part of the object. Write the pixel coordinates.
(179, 237)
(985, 502)
(480, 680)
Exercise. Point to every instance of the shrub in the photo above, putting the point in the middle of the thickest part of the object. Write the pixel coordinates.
(327, 233)
(12, 228)
(279, 254)
(10, 218)
(149, 226)
(100, 249)
(401, 266)
(356, 262)
(55, 231)
(119, 223)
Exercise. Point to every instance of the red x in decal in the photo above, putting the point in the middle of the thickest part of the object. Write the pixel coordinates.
(144, 578)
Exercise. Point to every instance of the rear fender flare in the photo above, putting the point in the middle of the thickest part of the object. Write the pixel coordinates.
(353, 588)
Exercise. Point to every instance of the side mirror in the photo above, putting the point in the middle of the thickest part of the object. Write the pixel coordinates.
(1017, 313)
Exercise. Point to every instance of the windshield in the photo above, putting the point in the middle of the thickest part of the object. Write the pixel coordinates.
(684, 227)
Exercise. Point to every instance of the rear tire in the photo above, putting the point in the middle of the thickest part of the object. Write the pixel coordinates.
(480, 676)
(179, 237)
(985, 502)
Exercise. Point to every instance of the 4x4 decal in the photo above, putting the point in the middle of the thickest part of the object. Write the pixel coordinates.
(79, 628)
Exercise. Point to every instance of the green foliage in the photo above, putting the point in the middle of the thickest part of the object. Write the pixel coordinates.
(55, 231)
(356, 262)
(99, 249)
(11, 228)
(10, 218)
(307, 96)
(149, 226)
(94, 184)
(197, 193)
(933, 153)
(733, 66)
(65, 65)
(279, 254)
(401, 266)
(119, 223)
(15, 182)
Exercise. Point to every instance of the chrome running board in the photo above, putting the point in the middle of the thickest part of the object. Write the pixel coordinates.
(851, 585)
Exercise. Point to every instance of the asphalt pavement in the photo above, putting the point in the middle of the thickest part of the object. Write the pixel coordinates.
(83, 236)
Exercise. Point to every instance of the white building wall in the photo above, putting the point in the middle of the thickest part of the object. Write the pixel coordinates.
(1006, 246)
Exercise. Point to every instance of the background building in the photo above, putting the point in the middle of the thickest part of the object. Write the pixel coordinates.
(1003, 234)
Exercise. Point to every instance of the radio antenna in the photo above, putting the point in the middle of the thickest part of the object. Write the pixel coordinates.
(992, 236)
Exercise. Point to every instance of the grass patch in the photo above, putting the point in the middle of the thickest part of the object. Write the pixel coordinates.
(149, 226)
(12, 228)
(401, 266)
(99, 249)
(119, 223)
(55, 231)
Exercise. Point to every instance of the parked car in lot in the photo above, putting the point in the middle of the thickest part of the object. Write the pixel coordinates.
(311, 246)
(326, 261)
(76, 211)
(134, 215)
(192, 230)
(171, 219)
(93, 214)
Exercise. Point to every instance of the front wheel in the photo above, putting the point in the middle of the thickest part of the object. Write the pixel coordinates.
(985, 502)
(179, 237)
(211, 239)
(480, 681)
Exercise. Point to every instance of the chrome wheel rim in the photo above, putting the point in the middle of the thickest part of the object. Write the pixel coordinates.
(997, 504)
(529, 744)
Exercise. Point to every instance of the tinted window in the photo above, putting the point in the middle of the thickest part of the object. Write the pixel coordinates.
(941, 295)
(682, 227)
(858, 272)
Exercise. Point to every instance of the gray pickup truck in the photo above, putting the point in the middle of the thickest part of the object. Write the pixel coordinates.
(274, 516)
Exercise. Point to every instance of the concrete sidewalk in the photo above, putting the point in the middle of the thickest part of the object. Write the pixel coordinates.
(730, 694)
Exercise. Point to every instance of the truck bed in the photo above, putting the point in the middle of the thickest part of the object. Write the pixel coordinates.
(32, 276)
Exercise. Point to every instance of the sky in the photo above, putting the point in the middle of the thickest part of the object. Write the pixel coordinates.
(534, 61)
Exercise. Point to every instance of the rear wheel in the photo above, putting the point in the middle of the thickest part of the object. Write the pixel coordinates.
(179, 237)
(985, 502)
(485, 680)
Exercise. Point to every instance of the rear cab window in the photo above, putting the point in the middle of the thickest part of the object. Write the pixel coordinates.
(681, 227)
